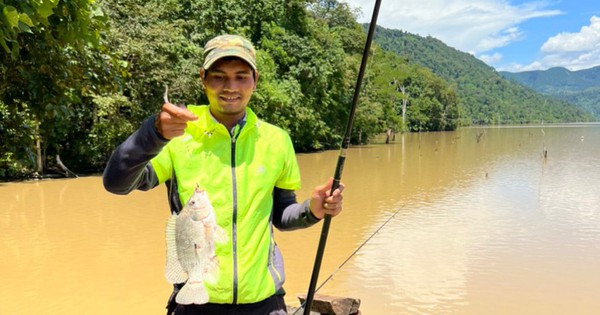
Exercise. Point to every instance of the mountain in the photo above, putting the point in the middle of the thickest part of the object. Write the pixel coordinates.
(581, 87)
(557, 79)
(486, 97)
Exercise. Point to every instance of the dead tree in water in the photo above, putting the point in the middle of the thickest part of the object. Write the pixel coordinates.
(544, 149)
(388, 134)
(68, 172)
(479, 136)
(405, 96)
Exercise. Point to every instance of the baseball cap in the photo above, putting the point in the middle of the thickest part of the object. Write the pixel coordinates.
(229, 46)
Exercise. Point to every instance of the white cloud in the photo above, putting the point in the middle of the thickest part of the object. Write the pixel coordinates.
(491, 59)
(468, 25)
(500, 40)
(516, 67)
(574, 51)
(587, 39)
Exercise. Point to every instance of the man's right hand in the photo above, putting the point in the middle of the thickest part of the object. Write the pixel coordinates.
(172, 120)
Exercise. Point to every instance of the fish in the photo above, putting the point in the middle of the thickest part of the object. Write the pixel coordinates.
(191, 236)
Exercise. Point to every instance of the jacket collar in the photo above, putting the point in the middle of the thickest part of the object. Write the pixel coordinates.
(207, 123)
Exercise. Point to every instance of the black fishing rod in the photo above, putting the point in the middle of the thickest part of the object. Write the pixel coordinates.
(340, 163)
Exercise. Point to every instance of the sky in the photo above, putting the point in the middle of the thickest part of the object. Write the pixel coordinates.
(508, 35)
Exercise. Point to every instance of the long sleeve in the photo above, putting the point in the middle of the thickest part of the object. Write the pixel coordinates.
(288, 214)
(128, 167)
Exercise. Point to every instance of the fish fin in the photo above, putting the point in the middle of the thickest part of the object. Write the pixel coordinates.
(192, 293)
(173, 270)
(211, 270)
(220, 235)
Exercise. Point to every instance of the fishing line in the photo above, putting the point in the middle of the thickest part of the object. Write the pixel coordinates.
(352, 255)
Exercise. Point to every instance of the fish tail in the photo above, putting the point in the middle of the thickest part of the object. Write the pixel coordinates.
(192, 293)
(173, 270)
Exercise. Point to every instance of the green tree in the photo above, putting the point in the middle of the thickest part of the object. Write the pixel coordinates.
(44, 74)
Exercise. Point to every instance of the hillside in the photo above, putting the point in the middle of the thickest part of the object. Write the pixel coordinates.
(581, 87)
(485, 96)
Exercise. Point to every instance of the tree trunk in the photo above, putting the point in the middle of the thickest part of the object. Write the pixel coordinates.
(38, 151)
(405, 96)
(61, 165)
(404, 101)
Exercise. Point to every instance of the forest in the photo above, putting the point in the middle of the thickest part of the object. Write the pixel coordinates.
(486, 97)
(580, 87)
(77, 77)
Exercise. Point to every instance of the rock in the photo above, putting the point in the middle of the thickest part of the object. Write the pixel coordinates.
(333, 305)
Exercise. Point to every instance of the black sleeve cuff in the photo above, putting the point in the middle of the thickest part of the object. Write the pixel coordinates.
(150, 126)
(308, 215)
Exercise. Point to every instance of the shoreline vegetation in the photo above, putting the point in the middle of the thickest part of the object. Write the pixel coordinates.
(79, 76)
(381, 139)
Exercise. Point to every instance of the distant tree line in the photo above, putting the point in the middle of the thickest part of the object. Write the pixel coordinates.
(580, 87)
(588, 99)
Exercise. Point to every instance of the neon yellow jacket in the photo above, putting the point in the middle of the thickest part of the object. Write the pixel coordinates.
(239, 173)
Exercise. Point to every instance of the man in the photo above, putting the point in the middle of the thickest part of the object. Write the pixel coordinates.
(248, 169)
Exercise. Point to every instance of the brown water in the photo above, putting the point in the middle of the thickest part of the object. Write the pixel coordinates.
(486, 227)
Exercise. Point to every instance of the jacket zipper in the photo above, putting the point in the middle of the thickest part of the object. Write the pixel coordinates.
(234, 137)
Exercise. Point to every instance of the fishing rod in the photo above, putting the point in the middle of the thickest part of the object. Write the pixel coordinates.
(340, 162)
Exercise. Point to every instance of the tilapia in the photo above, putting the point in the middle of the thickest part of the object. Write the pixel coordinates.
(191, 236)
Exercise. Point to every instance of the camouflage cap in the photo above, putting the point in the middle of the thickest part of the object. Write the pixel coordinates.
(229, 46)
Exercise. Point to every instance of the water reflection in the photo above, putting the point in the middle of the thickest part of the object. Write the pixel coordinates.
(483, 224)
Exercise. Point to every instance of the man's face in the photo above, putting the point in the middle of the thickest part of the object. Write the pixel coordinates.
(229, 84)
